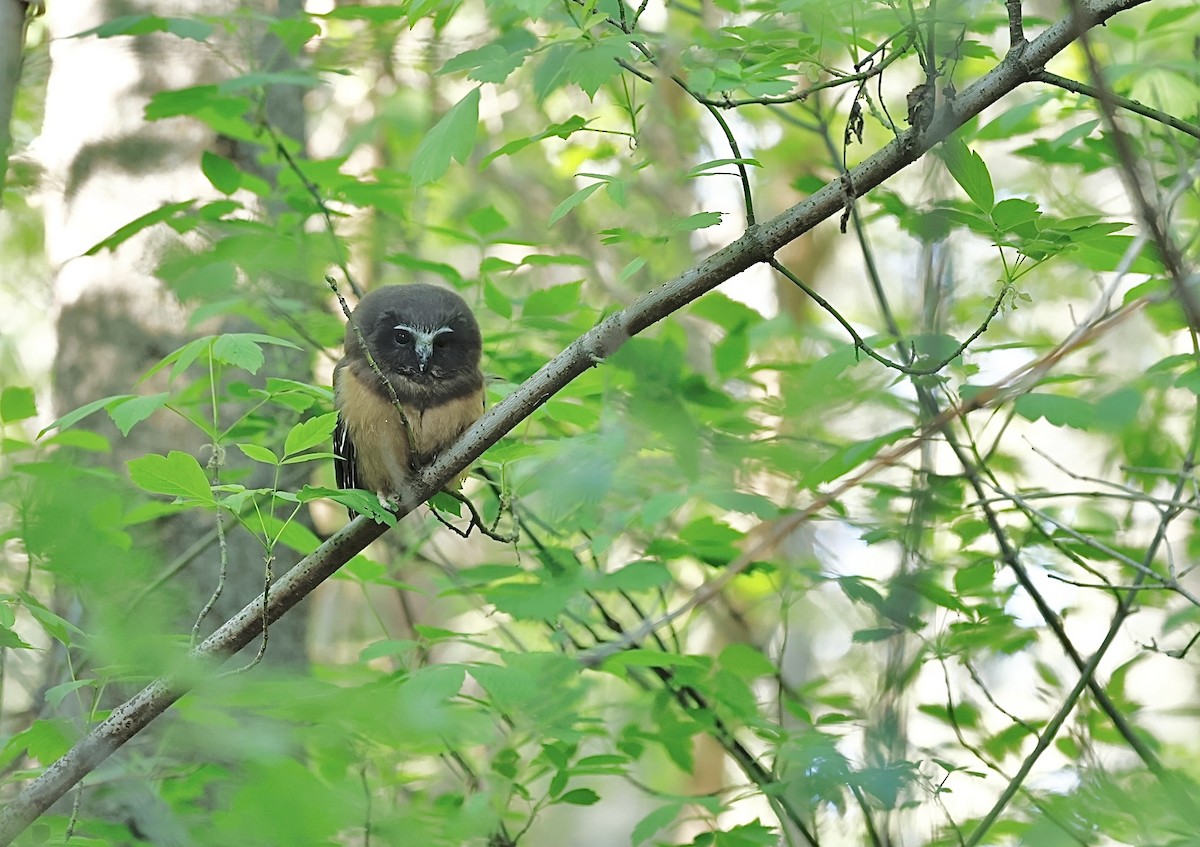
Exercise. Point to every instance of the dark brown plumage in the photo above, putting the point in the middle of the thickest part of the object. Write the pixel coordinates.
(427, 343)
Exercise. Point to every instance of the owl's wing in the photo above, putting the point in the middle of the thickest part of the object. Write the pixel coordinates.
(345, 462)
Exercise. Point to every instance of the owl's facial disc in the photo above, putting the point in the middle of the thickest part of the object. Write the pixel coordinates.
(422, 340)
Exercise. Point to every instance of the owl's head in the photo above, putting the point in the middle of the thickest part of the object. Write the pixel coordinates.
(423, 333)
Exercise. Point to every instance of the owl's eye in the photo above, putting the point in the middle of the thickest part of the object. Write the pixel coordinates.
(442, 339)
(402, 337)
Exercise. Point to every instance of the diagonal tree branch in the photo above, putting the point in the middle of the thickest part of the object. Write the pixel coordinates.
(757, 245)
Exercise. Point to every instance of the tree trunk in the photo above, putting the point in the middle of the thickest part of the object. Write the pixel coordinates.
(105, 165)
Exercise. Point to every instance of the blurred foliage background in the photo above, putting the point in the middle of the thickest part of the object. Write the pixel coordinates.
(984, 640)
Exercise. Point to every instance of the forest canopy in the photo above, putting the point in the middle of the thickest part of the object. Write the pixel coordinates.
(837, 478)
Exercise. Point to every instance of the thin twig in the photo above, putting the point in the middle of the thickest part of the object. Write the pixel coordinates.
(268, 578)
(214, 468)
(1143, 569)
(1125, 103)
(1016, 25)
(861, 344)
(800, 95)
(1153, 220)
(387, 383)
(991, 765)
(739, 163)
(1087, 670)
(339, 249)
(476, 521)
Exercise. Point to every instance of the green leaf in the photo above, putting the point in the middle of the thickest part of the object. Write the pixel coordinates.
(1170, 16)
(311, 457)
(489, 63)
(309, 433)
(9, 638)
(713, 542)
(1108, 253)
(532, 601)
(189, 28)
(451, 137)
(447, 272)
(532, 9)
(207, 281)
(181, 358)
(487, 221)
(580, 797)
(936, 594)
(495, 300)
(45, 739)
(74, 417)
(55, 695)
(1074, 135)
(126, 413)
(494, 62)
(647, 827)
(560, 130)
(975, 577)
(17, 404)
(549, 259)
(631, 268)
(639, 658)
(363, 502)
(566, 206)
(552, 72)
(239, 351)
(1056, 409)
(495, 265)
(206, 102)
(259, 453)
(243, 350)
(556, 300)
(222, 173)
(1021, 119)
(1013, 212)
(596, 63)
(55, 626)
(703, 168)
(294, 32)
(145, 24)
(376, 14)
(291, 533)
(177, 474)
(642, 575)
(970, 172)
(724, 311)
(746, 835)
(400, 647)
(124, 25)
(1189, 380)
(746, 661)
(850, 457)
(858, 590)
(700, 220)
(1118, 410)
(162, 213)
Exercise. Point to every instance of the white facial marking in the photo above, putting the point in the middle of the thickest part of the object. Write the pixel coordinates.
(423, 340)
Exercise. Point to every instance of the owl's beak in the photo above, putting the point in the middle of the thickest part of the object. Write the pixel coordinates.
(424, 348)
